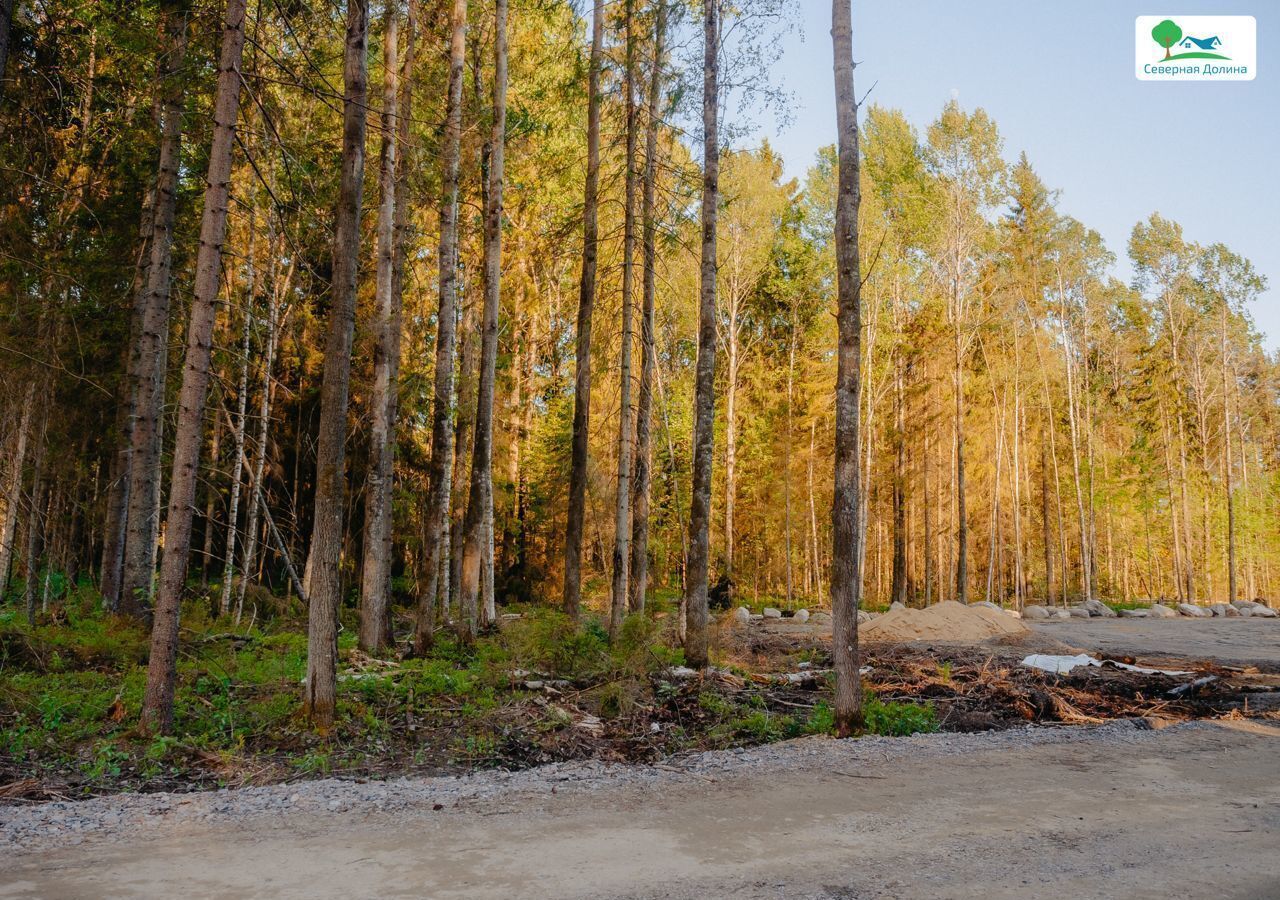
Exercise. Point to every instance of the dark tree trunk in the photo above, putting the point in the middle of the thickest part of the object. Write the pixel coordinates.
(6, 29)
(586, 303)
(147, 380)
(846, 579)
(704, 400)
(446, 324)
(157, 704)
(325, 554)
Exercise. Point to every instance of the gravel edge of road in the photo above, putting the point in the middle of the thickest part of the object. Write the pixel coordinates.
(53, 825)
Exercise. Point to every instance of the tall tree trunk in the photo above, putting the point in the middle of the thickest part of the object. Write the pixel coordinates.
(648, 352)
(898, 591)
(241, 421)
(36, 522)
(1227, 485)
(586, 303)
(477, 523)
(210, 501)
(846, 580)
(786, 458)
(148, 379)
(441, 468)
(622, 500)
(376, 570)
(731, 435)
(814, 555)
(704, 400)
(257, 501)
(157, 704)
(648, 358)
(1046, 527)
(962, 518)
(320, 691)
(13, 491)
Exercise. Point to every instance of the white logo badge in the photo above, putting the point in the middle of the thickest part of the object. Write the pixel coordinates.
(1195, 48)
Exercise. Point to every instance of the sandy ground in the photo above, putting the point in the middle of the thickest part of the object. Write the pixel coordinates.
(1190, 811)
(1226, 640)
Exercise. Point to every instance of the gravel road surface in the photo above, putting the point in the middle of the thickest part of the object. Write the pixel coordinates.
(1115, 811)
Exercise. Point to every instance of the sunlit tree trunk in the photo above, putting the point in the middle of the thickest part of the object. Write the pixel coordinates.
(325, 554)
(622, 500)
(846, 537)
(442, 404)
(648, 360)
(477, 540)
(375, 586)
(586, 303)
(704, 403)
(157, 704)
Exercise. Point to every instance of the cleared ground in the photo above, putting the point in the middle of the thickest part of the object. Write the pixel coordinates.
(1225, 640)
(1190, 811)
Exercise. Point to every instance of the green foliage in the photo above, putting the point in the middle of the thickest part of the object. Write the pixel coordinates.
(894, 719)
(1166, 34)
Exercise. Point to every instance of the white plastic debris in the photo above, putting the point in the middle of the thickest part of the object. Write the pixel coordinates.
(1061, 665)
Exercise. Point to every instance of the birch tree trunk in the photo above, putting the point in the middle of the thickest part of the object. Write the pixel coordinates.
(704, 401)
(622, 500)
(441, 468)
(477, 538)
(845, 513)
(325, 555)
(238, 432)
(648, 359)
(157, 704)
(376, 570)
(147, 381)
(586, 303)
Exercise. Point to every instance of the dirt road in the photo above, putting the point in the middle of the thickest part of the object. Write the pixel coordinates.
(1226, 640)
(1190, 811)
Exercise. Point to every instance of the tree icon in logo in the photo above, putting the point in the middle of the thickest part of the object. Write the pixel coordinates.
(1166, 34)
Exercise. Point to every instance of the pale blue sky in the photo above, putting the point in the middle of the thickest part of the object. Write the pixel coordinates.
(1058, 79)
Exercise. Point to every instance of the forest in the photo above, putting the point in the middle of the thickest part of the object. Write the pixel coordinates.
(460, 335)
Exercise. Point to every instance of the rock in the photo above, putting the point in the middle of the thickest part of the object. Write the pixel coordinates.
(1099, 609)
(895, 605)
(1079, 612)
(1160, 611)
(1134, 613)
(1014, 613)
(987, 603)
(1241, 604)
(1244, 611)
(863, 617)
(771, 613)
(1061, 614)
(742, 616)
(1265, 611)
(1195, 612)
(802, 615)
(1230, 611)
(822, 617)
(1034, 612)
(1218, 610)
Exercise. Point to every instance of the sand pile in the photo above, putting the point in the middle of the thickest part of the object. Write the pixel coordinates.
(949, 621)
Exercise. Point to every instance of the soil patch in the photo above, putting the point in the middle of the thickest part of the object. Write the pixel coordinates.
(949, 621)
